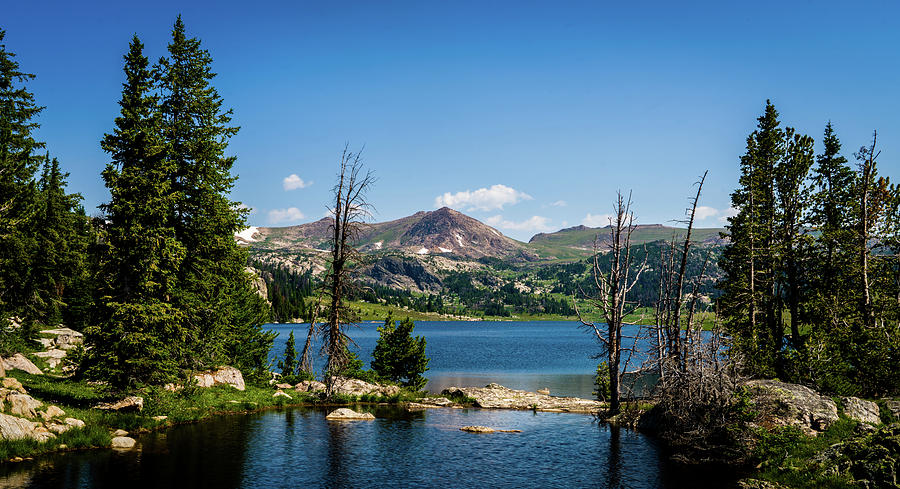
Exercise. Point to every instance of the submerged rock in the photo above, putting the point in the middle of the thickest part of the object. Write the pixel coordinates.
(223, 375)
(477, 429)
(787, 404)
(497, 396)
(348, 414)
(860, 410)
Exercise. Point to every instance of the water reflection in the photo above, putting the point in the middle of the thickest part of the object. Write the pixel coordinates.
(299, 448)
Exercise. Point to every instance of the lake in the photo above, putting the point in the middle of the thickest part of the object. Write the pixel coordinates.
(297, 447)
(517, 354)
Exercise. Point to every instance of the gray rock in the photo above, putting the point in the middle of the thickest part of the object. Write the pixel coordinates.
(435, 401)
(499, 397)
(19, 362)
(66, 338)
(893, 406)
(223, 375)
(15, 428)
(860, 410)
(12, 384)
(52, 357)
(119, 433)
(129, 404)
(349, 415)
(309, 386)
(281, 394)
(123, 442)
(477, 429)
(52, 412)
(793, 405)
(284, 386)
(23, 405)
(74, 423)
(356, 387)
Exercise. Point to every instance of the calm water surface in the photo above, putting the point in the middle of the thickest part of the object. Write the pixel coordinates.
(517, 354)
(297, 447)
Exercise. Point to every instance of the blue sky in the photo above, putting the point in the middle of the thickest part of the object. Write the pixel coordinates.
(526, 115)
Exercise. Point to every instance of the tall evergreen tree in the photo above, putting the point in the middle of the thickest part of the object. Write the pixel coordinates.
(62, 234)
(140, 323)
(792, 202)
(830, 215)
(222, 313)
(18, 163)
(750, 303)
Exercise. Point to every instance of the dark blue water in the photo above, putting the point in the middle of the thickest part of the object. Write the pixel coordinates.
(517, 354)
(299, 448)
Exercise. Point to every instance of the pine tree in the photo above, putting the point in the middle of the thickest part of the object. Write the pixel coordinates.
(222, 314)
(830, 215)
(18, 163)
(140, 324)
(288, 366)
(62, 242)
(750, 303)
(398, 355)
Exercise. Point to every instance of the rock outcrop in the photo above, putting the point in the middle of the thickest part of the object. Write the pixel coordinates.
(348, 414)
(19, 362)
(66, 338)
(53, 357)
(309, 386)
(787, 404)
(223, 375)
(129, 404)
(356, 387)
(861, 410)
(499, 397)
(20, 406)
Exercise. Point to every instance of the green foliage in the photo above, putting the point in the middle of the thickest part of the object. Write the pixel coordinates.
(288, 366)
(355, 369)
(811, 274)
(398, 355)
(162, 309)
(601, 382)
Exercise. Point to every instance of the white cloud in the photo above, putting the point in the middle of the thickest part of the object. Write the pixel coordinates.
(559, 203)
(729, 212)
(534, 223)
(484, 199)
(596, 220)
(282, 215)
(293, 182)
(702, 212)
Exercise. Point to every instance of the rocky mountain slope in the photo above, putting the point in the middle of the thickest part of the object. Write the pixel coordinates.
(443, 231)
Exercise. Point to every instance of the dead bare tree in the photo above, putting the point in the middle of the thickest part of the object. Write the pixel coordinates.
(613, 287)
(351, 210)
